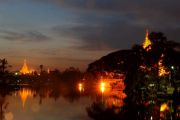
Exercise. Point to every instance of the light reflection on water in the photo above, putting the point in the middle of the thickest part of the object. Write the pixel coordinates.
(27, 104)
(74, 103)
(24, 94)
(53, 102)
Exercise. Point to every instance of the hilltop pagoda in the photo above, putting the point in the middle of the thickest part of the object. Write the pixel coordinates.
(147, 42)
(25, 69)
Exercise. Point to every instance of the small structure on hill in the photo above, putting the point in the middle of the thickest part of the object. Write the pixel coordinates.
(147, 42)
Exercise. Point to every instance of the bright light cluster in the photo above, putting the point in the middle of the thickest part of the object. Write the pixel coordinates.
(25, 70)
(164, 107)
(147, 43)
(102, 87)
(80, 87)
(162, 69)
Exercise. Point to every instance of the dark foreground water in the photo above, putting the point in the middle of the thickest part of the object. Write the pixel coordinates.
(26, 103)
(17, 108)
(74, 103)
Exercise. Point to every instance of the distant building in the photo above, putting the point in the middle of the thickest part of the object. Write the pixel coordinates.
(25, 69)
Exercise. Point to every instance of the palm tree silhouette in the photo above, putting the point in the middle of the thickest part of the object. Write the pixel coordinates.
(3, 65)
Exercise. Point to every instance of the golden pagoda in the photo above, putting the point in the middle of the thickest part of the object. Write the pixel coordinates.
(25, 69)
(147, 42)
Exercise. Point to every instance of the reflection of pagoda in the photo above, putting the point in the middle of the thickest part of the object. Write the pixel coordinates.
(25, 69)
(24, 94)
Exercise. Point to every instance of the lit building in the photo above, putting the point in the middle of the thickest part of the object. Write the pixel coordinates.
(25, 69)
(147, 42)
(163, 71)
(112, 88)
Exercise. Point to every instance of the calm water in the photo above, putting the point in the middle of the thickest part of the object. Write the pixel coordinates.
(75, 103)
(28, 104)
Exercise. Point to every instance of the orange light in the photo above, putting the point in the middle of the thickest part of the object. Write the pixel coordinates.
(164, 107)
(48, 71)
(24, 93)
(102, 87)
(80, 87)
(162, 69)
(25, 69)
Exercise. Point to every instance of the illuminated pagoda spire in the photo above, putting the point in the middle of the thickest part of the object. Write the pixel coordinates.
(25, 69)
(147, 42)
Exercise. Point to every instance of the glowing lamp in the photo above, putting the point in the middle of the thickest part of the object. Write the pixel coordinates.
(102, 87)
(164, 107)
(80, 87)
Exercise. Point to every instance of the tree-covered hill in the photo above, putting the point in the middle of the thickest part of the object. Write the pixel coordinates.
(139, 62)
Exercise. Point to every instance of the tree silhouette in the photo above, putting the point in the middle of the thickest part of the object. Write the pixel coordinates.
(3, 64)
(41, 67)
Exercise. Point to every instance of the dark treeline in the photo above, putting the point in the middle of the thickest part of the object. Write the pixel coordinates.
(70, 74)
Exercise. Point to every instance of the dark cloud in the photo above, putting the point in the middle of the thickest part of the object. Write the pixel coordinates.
(113, 24)
(161, 8)
(30, 36)
(103, 37)
(104, 24)
(156, 13)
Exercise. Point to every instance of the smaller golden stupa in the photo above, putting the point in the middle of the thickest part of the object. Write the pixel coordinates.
(25, 69)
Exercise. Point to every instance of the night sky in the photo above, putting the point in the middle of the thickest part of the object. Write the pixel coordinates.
(63, 33)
